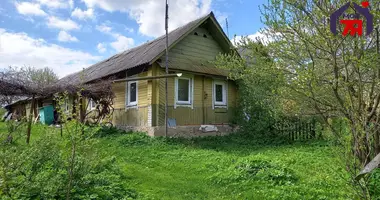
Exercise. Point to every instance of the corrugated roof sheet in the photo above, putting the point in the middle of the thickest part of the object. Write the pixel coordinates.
(141, 55)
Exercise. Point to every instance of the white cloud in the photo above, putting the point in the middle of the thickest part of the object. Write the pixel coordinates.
(101, 47)
(104, 28)
(19, 49)
(71, 4)
(64, 36)
(122, 43)
(27, 8)
(54, 22)
(263, 36)
(131, 30)
(83, 14)
(55, 4)
(149, 14)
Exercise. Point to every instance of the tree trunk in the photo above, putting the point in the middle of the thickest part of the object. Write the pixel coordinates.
(29, 130)
(81, 113)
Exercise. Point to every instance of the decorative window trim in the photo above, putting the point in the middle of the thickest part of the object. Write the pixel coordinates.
(128, 97)
(224, 103)
(189, 103)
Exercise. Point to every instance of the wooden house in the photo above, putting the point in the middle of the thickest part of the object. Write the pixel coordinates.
(202, 95)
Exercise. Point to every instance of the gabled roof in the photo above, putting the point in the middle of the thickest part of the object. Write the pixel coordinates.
(144, 54)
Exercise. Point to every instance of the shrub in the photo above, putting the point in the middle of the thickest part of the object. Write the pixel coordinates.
(41, 169)
(374, 185)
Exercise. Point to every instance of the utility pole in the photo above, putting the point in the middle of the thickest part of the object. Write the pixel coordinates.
(228, 33)
(166, 67)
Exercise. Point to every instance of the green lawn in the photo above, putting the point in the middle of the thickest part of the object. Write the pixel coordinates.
(224, 168)
(232, 167)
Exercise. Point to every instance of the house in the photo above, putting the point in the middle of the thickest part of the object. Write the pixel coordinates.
(203, 95)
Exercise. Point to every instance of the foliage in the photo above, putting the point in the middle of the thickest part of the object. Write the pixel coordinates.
(46, 168)
(374, 185)
(259, 85)
(42, 77)
(133, 165)
(2, 112)
(28, 76)
(326, 74)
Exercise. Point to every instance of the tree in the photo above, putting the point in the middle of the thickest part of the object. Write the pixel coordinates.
(28, 76)
(334, 75)
(40, 77)
(259, 84)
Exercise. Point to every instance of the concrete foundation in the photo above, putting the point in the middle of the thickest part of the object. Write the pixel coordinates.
(181, 131)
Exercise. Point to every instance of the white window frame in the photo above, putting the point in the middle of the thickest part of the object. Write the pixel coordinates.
(128, 96)
(91, 104)
(225, 92)
(67, 105)
(188, 103)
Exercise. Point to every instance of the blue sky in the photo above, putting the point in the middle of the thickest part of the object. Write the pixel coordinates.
(68, 35)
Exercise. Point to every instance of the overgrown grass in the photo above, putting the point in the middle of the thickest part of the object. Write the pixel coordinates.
(231, 167)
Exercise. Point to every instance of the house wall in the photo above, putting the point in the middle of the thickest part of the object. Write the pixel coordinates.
(151, 93)
(194, 48)
(202, 111)
(133, 116)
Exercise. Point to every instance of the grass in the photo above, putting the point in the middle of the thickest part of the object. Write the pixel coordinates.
(231, 167)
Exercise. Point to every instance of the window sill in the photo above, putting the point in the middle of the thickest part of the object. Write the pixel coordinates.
(184, 105)
(131, 107)
(220, 106)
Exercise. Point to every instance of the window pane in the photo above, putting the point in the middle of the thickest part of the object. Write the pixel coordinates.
(183, 90)
(219, 93)
(132, 92)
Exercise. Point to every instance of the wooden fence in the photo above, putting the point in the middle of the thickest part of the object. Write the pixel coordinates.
(296, 129)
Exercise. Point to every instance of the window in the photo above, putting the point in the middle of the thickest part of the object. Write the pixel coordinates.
(132, 93)
(67, 105)
(220, 93)
(183, 91)
(91, 104)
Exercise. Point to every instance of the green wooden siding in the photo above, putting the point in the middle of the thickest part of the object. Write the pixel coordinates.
(193, 48)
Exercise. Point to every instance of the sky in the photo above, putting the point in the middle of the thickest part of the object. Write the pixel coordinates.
(69, 35)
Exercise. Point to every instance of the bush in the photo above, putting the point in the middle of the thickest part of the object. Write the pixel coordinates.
(41, 169)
